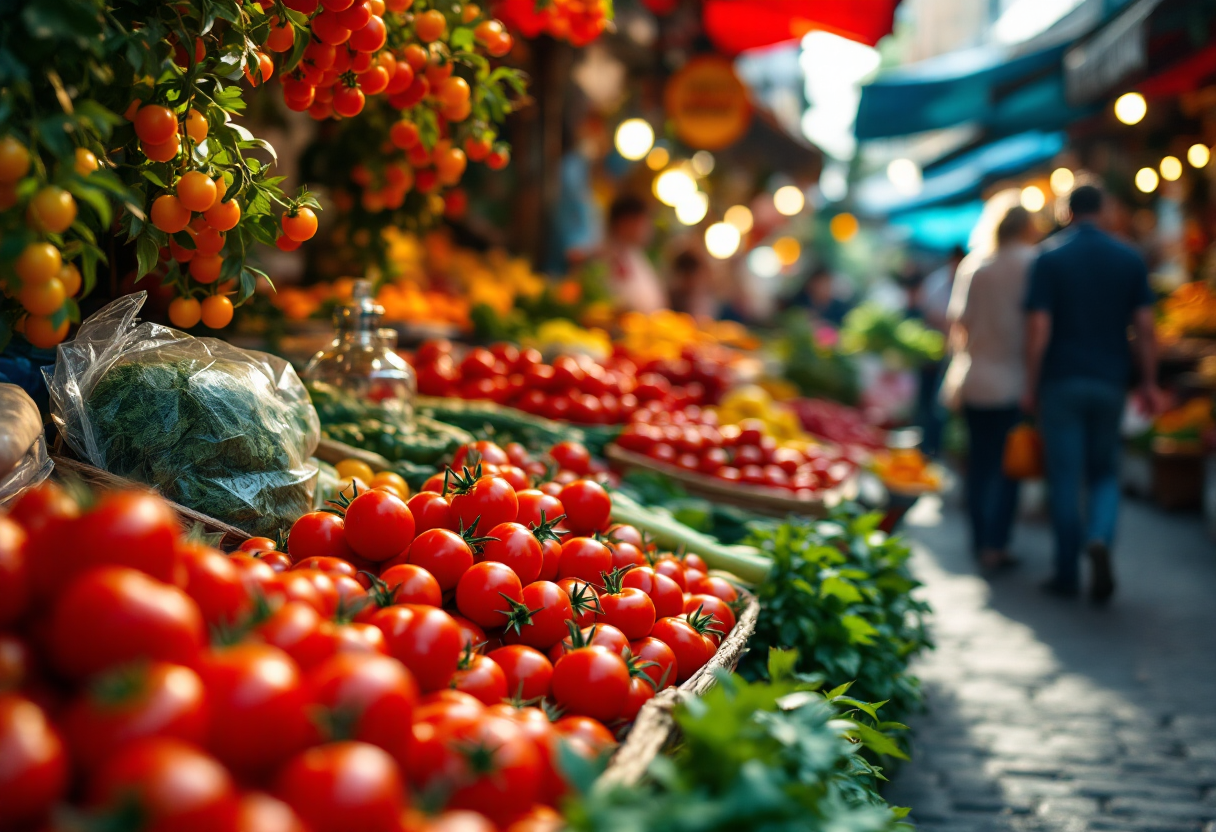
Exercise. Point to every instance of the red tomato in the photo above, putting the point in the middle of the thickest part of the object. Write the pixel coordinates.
(312, 586)
(551, 559)
(586, 559)
(14, 572)
(599, 635)
(216, 585)
(479, 363)
(532, 503)
(515, 546)
(357, 637)
(587, 506)
(430, 510)
(485, 593)
(172, 785)
(483, 451)
(723, 616)
(591, 681)
(692, 561)
(444, 554)
(126, 528)
(471, 636)
(650, 649)
(539, 620)
(133, 703)
(503, 786)
(411, 584)
(528, 672)
(259, 812)
(720, 588)
(628, 609)
(484, 504)
(34, 773)
(257, 705)
(625, 555)
(481, 678)
(663, 591)
(296, 629)
(641, 691)
(318, 534)
(343, 786)
(367, 697)
(571, 456)
(15, 662)
(584, 600)
(426, 640)
(330, 566)
(590, 732)
(257, 544)
(112, 614)
(692, 651)
(378, 525)
(673, 569)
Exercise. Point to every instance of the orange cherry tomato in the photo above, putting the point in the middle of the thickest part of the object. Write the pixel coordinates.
(185, 312)
(205, 268)
(223, 216)
(196, 190)
(301, 226)
(217, 311)
(169, 215)
(155, 124)
(40, 332)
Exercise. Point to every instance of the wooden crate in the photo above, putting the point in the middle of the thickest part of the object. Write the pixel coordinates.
(655, 725)
(760, 499)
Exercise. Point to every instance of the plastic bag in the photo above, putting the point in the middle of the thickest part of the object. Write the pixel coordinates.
(1023, 458)
(224, 431)
(19, 419)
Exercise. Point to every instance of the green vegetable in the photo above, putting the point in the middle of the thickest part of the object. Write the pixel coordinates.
(486, 420)
(763, 756)
(840, 593)
(213, 435)
(872, 328)
(745, 562)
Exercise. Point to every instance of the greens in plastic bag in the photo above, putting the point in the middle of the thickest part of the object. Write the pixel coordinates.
(225, 431)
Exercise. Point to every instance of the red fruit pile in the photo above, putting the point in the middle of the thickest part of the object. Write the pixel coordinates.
(578, 22)
(318, 688)
(692, 439)
(576, 389)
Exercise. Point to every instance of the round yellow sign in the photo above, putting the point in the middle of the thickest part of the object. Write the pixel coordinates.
(708, 104)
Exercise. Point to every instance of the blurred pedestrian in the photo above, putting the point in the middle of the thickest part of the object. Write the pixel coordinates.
(818, 296)
(691, 287)
(987, 374)
(1086, 291)
(632, 279)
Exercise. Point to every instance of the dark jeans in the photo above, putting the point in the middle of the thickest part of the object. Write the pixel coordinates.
(1079, 418)
(930, 415)
(992, 498)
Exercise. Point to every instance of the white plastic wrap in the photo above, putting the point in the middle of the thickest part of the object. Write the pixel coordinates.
(225, 431)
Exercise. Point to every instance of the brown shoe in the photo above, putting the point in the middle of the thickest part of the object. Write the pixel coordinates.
(1102, 579)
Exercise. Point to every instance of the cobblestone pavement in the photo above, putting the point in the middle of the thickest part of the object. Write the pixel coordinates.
(1051, 714)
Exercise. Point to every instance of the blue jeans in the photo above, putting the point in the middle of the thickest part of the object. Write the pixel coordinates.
(992, 498)
(930, 415)
(1079, 419)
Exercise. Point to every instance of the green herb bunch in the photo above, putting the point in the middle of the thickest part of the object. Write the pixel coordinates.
(760, 756)
(840, 593)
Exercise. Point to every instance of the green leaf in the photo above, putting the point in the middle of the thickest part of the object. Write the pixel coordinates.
(782, 664)
(838, 587)
(860, 630)
(147, 253)
(878, 742)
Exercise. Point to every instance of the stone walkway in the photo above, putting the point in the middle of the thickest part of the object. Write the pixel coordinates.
(1050, 714)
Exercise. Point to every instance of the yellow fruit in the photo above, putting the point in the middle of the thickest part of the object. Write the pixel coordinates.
(38, 263)
(14, 160)
(355, 468)
(40, 332)
(53, 209)
(42, 298)
(185, 312)
(86, 161)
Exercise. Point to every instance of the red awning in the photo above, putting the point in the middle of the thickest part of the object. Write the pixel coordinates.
(1185, 76)
(736, 25)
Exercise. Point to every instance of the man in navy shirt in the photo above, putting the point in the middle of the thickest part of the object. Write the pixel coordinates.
(1086, 291)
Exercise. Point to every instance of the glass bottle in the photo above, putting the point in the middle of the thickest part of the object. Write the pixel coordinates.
(362, 362)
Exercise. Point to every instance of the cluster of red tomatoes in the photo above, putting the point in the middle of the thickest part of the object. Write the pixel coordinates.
(693, 440)
(578, 22)
(573, 388)
(393, 650)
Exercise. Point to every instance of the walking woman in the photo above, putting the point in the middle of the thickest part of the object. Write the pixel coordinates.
(987, 376)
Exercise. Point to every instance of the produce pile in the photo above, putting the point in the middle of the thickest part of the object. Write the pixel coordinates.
(693, 440)
(382, 645)
(578, 389)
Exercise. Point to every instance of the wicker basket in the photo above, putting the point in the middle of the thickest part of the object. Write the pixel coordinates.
(67, 467)
(655, 726)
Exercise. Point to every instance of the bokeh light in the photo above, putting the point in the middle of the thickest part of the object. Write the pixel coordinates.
(740, 216)
(788, 200)
(1131, 108)
(1171, 168)
(634, 138)
(1198, 155)
(1033, 199)
(1146, 180)
(844, 227)
(1062, 180)
(693, 209)
(658, 158)
(722, 240)
(788, 250)
(673, 186)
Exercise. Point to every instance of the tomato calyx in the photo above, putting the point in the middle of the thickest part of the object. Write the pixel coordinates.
(120, 684)
(518, 615)
(341, 503)
(613, 581)
(702, 622)
(637, 668)
(463, 482)
(466, 658)
(584, 599)
(336, 724)
(380, 593)
(545, 529)
(471, 538)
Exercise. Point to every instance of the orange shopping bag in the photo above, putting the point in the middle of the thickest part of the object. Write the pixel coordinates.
(1023, 458)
